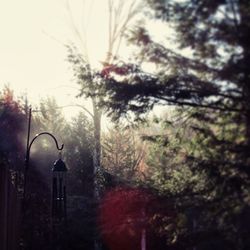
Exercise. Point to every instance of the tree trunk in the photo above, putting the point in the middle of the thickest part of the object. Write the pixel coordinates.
(97, 114)
(97, 149)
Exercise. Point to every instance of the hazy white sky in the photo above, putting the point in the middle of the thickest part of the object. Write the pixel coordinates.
(30, 60)
(32, 54)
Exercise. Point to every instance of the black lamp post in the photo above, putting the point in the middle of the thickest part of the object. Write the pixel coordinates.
(59, 171)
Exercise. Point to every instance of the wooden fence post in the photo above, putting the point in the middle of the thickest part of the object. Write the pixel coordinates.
(9, 212)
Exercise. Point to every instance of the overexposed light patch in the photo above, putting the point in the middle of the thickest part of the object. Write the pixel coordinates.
(32, 45)
(33, 55)
(31, 61)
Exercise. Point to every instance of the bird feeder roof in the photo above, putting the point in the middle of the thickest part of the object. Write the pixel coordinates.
(59, 166)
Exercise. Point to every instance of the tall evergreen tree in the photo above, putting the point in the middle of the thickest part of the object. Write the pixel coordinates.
(122, 154)
(213, 74)
(79, 155)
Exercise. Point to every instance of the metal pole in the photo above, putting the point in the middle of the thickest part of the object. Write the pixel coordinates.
(27, 154)
(29, 144)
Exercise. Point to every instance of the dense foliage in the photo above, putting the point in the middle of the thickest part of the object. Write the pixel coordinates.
(12, 127)
(212, 74)
(204, 167)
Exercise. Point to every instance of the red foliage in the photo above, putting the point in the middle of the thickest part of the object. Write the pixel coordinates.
(124, 212)
(11, 125)
(119, 70)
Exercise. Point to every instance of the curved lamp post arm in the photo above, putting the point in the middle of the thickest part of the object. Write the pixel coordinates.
(27, 159)
(46, 133)
(29, 144)
(37, 135)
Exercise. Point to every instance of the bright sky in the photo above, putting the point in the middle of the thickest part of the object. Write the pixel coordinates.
(32, 54)
(30, 60)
